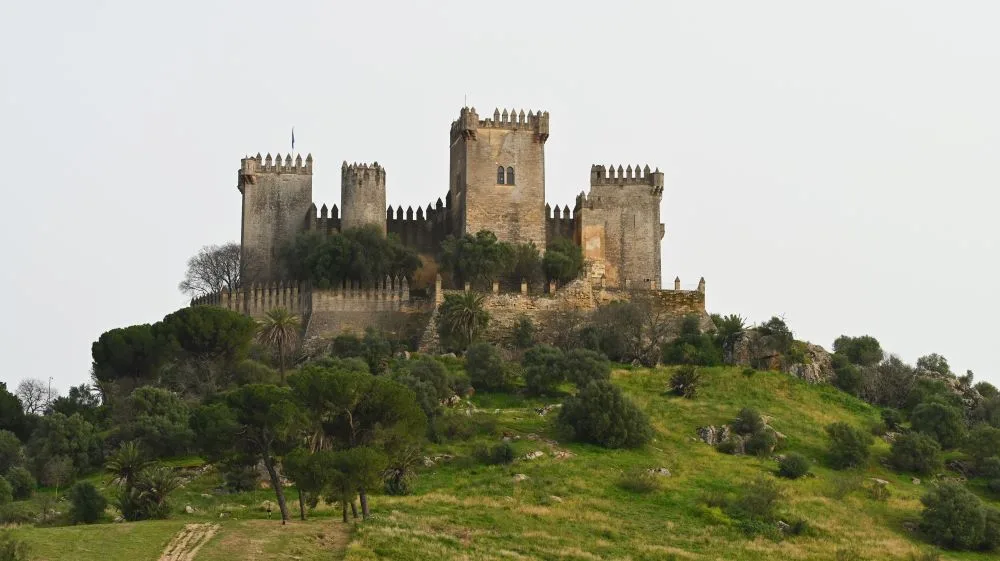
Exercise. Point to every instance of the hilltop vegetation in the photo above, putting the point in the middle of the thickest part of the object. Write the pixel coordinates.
(208, 432)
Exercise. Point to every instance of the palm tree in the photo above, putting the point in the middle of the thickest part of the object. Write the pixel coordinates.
(279, 330)
(463, 318)
(126, 464)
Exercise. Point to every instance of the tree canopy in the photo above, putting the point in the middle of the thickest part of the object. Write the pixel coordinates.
(362, 254)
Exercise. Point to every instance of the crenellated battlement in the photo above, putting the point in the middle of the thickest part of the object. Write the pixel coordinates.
(326, 220)
(257, 164)
(359, 174)
(601, 175)
(468, 122)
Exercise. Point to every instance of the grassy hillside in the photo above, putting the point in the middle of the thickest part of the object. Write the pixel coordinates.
(570, 506)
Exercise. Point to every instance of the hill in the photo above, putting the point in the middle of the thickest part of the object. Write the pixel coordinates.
(567, 503)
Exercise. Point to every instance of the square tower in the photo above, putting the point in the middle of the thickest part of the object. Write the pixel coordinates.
(497, 178)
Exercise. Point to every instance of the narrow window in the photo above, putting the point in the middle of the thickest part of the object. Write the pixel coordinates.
(500, 175)
(510, 176)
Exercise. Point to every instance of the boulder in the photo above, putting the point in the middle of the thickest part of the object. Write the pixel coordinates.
(519, 477)
(189, 509)
(713, 435)
(751, 348)
(534, 455)
(660, 471)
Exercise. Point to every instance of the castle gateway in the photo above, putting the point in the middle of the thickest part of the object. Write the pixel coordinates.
(496, 183)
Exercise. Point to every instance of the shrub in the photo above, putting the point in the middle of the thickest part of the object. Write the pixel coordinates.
(487, 370)
(685, 381)
(841, 486)
(878, 491)
(524, 333)
(779, 332)
(543, 369)
(863, 351)
(849, 446)
(21, 482)
(749, 372)
(6, 491)
(941, 421)
(377, 350)
(18, 513)
(991, 532)
(347, 345)
(758, 501)
(639, 481)
(11, 451)
(583, 366)
(761, 443)
(987, 390)
(363, 254)
(793, 466)
(563, 260)
(748, 421)
(847, 376)
(86, 503)
(601, 414)
(728, 325)
(989, 467)
(499, 454)
(12, 549)
(983, 443)
(915, 452)
(238, 477)
(892, 418)
(953, 517)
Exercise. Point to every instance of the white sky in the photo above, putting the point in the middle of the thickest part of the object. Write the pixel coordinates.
(832, 162)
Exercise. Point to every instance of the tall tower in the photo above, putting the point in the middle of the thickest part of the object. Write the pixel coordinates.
(276, 198)
(497, 178)
(362, 195)
(619, 224)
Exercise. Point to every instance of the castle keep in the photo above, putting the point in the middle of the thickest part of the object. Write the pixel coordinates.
(496, 183)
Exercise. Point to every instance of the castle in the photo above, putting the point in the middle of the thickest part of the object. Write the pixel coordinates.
(496, 182)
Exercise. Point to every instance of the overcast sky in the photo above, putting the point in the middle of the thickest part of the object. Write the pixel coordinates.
(833, 164)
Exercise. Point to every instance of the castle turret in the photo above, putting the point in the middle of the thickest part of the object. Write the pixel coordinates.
(277, 194)
(362, 195)
(619, 223)
(497, 179)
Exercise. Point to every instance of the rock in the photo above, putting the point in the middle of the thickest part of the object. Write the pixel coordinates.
(877, 481)
(224, 515)
(543, 411)
(753, 349)
(562, 454)
(534, 455)
(405, 355)
(555, 499)
(119, 519)
(890, 437)
(915, 481)
(519, 477)
(713, 435)
(783, 526)
(660, 471)
(206, 496)
(189, 509)
(452, 401)
(448, 355)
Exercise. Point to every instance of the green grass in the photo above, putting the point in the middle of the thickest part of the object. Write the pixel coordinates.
(569, 508)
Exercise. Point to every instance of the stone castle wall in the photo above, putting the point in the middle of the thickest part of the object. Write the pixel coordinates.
(362, 193)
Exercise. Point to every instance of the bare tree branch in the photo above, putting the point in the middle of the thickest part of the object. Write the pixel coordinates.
(214, 268)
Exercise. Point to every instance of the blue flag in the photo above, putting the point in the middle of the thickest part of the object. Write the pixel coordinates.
(293, 138)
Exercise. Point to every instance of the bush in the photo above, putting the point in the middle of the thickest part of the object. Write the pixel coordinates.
(500, 454)
(6, 491)
(863, 351)
(583, 366)
(878, 491)
(524, 333)
(915, 452)
(364, 254)
(989, 468)
(347, 345)
(761, 443)
(563, 260)
(21, 512)
(21, 482)
(239, 477)
(940, 421)
(892, 418)
(849, 446)
(983, 443)
(847, 376)
(728, 325)
(987, 390)
(12, 549)
(748, 421)
(543, 369)
(639, 481)
(486, 368)
(86, 503)
(953, 517)
(758, 501)
(685, 381)
(601, 414)
(793, 466)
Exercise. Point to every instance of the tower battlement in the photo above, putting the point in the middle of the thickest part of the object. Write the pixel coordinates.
(514, 119)
(601, 175)
(362, 173)
(267, 164)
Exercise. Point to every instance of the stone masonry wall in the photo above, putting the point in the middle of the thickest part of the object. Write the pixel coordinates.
(277, 195)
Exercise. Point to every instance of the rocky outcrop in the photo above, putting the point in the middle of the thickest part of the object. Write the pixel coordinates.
(755, 350)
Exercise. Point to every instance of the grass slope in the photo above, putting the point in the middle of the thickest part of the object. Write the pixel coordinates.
(572, 509)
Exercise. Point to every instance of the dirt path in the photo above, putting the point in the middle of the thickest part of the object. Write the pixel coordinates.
(185, 545)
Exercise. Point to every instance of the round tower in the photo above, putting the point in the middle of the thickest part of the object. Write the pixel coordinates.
(362, 195)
